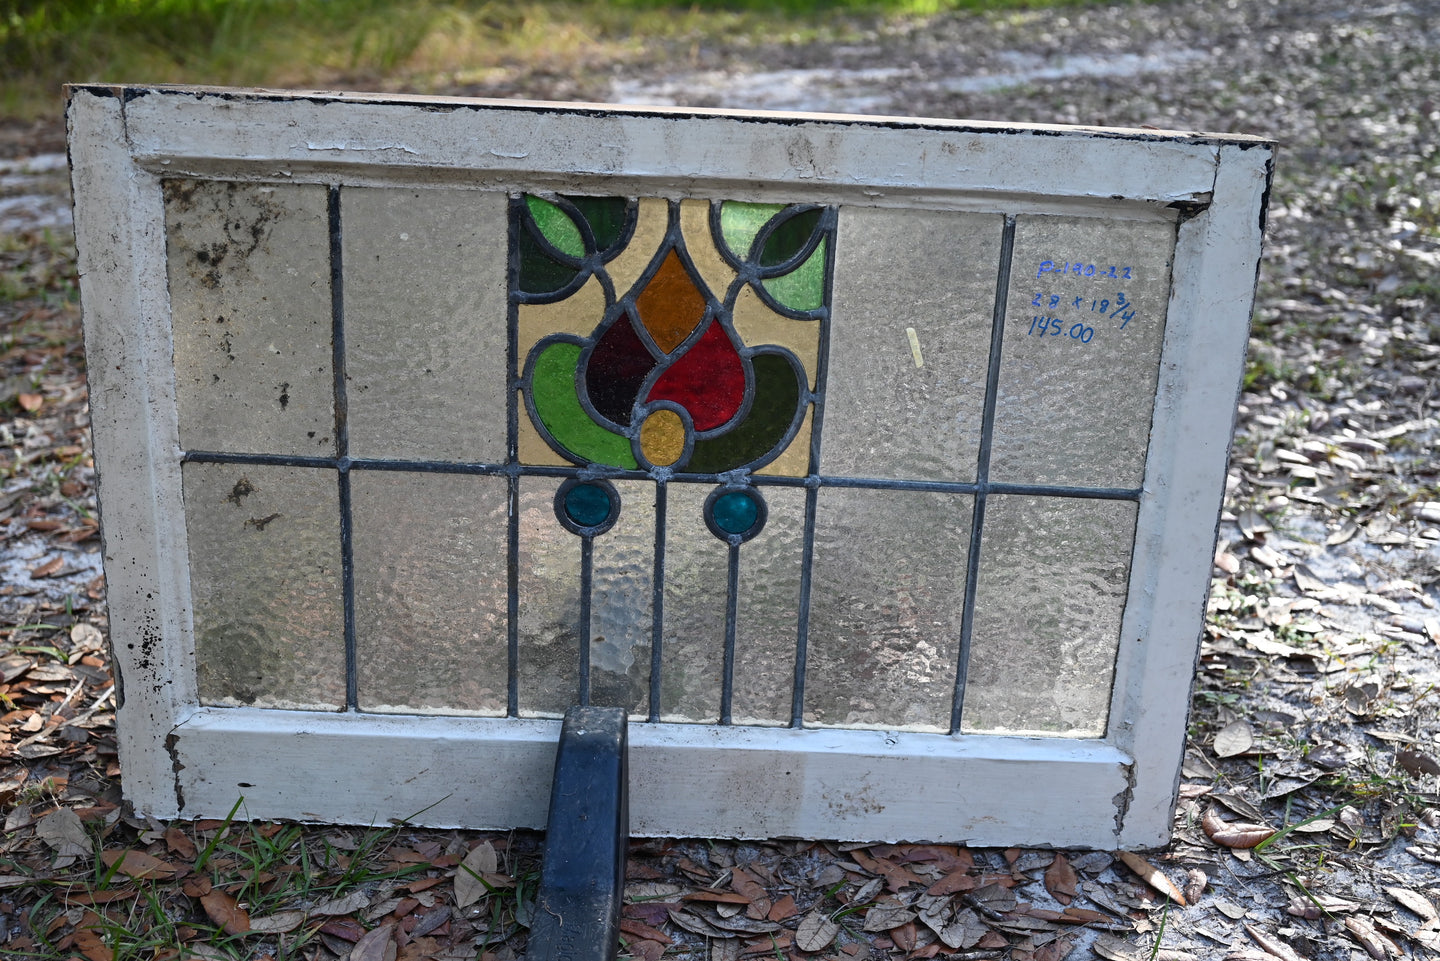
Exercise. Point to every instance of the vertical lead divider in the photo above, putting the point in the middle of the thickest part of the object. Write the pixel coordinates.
(577, 912)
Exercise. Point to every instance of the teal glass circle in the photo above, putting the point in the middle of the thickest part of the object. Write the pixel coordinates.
(588, 505)
(735, 512)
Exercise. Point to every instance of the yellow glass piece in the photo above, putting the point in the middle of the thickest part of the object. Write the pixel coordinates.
(577, 314)
(531, 449)
(795, 461)
(652, 217)
(757, 324)
(662, 437)
(695, 227)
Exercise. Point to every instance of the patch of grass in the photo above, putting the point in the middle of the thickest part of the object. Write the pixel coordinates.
(415, 45)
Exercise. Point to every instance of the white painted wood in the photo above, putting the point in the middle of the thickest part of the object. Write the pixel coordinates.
(181, 759)
(1217, 258)
(507, 143)
(685, 780)
(119, 235)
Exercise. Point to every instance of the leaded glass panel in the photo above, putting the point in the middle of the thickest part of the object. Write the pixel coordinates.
(714, 461)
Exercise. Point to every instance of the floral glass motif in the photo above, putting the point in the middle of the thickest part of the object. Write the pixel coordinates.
(665, 380)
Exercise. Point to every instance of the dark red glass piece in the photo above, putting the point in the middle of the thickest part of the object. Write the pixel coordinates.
(777, 397)
(708, 380)
(618, 366)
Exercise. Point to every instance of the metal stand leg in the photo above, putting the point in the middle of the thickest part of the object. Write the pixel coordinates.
(577, 911)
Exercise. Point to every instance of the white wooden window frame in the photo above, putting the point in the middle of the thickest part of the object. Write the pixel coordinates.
(184, 759)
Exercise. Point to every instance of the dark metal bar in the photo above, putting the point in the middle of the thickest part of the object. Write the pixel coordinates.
(342, 448)
(587, 583)
(732, 603)
(512, 603)
(657, 601)
(982, 472)
(577, 910)
(802, 625)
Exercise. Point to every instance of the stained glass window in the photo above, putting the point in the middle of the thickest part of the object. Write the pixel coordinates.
(709, 460)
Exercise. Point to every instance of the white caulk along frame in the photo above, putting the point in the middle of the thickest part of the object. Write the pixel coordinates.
(814, 767)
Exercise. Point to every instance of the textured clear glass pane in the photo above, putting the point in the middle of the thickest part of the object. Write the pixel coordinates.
(623, 602)
(549, 616)
(1083, 327)
(885, 606)
(1053, 578)
(249, 271)
(620, 607)
(697, 566)
(425, 322)
(909, 342)
(767, 615)
(430, 592)
(265, 585)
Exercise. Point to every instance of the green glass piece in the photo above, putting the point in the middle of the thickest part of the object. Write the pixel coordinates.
(588, 505)
(740, 222)
(557, 226)
(735, 512)
(552, 389)
(789, 238)
(606, 216)
(804, 287)
(777, 396)
(539, 272)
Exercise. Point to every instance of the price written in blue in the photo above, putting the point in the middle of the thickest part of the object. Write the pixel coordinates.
(1112, 310)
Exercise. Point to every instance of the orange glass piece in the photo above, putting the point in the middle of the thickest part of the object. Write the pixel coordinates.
(672, 304)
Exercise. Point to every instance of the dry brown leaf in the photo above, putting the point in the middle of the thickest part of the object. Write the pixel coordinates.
(783, 909)
(469, 886)
(954, 883)
(49, 567)
(641, 930)
(177, 842)
(1112, 948)
(376, 945)
(88, 939)
(281, 922)
(1153, 876)
(1415, 902)
(63, 832)
(224, 911)
(1060, 880)
(1272, 946)
(887, 915)
(1417, 763)
(1375, 944)
(1234, 739)
(138, 864)
(816, 931)
(1238, 835)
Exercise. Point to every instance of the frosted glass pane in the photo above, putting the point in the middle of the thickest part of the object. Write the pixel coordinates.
(265, 585)
(249, 272)
(768, 612)
(430, 592)
(885, 605)
(1083, 327)
(549, 618)
(622, 603)
(425, 316)
(909, 343)
(1053, 578)
(697, 565)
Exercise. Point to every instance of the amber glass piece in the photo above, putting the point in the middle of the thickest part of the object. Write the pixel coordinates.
(662, 437)
(617, 367)
(672, 305)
